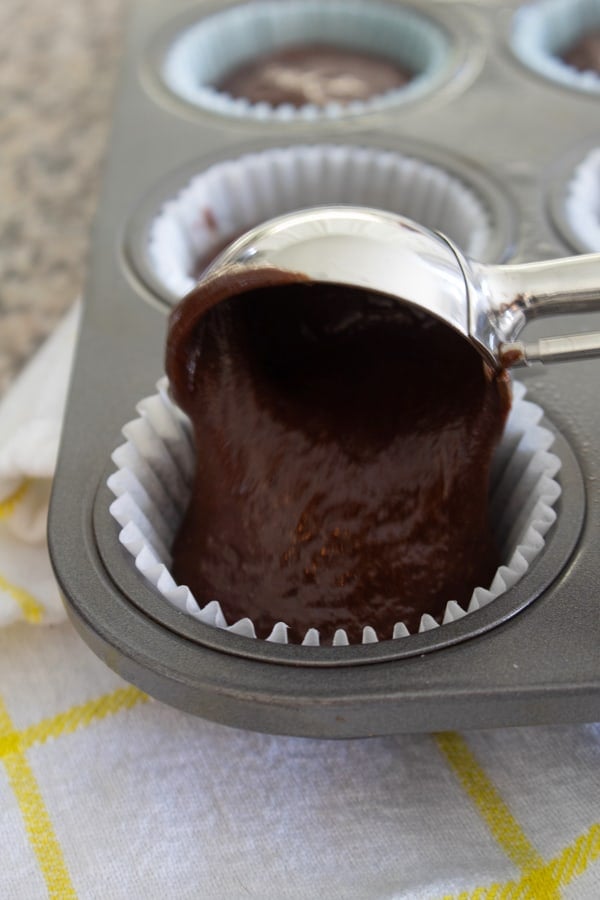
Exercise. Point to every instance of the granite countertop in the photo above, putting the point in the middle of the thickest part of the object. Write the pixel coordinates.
(58, 68)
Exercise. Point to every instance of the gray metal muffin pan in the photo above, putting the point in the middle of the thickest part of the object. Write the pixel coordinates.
(533, 655)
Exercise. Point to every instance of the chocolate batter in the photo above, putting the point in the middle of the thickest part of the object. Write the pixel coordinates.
(584, 55)
(314, 73)
(344, 446)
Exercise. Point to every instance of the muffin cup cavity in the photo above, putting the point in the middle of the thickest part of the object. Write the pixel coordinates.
(542, 32)
(213, 47)
(581, 213)
(152, 485)
(230, 197)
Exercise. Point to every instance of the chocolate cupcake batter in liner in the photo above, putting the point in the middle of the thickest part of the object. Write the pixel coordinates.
(306, 60)
(560, 39)
(582, 203)
(232, 196)
(300, 425)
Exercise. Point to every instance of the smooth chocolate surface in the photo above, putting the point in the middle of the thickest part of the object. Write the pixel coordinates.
(317, 74)
(343, 453)
(584, 55)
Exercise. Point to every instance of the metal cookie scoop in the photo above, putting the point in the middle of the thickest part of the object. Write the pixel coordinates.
(488, 304)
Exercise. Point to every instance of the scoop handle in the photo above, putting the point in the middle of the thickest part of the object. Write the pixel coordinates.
(513, 295)
(548, 350)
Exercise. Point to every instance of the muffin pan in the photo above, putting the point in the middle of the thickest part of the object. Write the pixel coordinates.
(502, 137)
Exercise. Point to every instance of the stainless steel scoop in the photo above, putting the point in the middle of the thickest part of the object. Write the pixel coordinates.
(488, 304)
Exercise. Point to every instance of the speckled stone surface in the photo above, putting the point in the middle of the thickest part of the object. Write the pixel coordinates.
(58, 68)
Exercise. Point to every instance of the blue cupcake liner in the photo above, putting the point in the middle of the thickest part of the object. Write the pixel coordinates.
(543, 31)
(216, 45)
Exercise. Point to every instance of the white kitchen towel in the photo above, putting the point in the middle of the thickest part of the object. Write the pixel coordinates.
(30, 423)
(108, 795)
(105, 795)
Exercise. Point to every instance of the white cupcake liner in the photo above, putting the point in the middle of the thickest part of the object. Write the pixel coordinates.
(155, 470)
(206, 51)
(544, 30)
(582, 203)
(232, 196)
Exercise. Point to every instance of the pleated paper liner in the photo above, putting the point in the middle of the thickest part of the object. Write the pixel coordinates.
(544, 31)
(207, 51)
(582, 203)
(232, 196)
(152, 485)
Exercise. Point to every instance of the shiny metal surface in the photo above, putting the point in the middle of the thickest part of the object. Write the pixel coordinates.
(380, 251)
(365, 248)
(503, 299)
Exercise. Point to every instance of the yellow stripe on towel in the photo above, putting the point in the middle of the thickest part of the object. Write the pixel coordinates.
(8, 506)
(547, 882)
(490, 805)
(35, 815)
(82, 715)
(13, 747)
(575, 859)
(32, 610)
